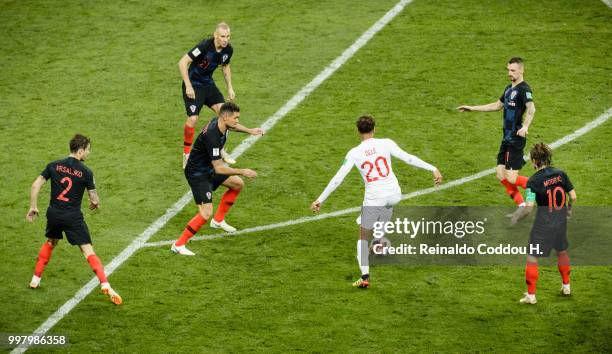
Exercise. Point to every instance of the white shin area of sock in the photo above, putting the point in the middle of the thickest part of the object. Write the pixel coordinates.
(362, 256)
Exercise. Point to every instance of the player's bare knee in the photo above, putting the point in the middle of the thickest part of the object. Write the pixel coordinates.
(87, 249)
(511, 177)
(191, 121)
(53, 241)
(238, 184)
(500, 173)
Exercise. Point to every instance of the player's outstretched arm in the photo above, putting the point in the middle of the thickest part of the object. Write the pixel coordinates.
(334, 183)
(242, 129)
(412, 160)
(183, 68)
(35, 190)
(491, 107)
(221, 169)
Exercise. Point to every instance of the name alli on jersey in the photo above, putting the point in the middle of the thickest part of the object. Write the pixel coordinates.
(370, 152)
(68, 170)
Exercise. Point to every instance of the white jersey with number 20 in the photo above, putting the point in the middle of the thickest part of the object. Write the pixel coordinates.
(373, 160)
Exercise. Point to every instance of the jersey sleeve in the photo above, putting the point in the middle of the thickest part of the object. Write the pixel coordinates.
(230, 52)
(198, 50)
(46, 173)
(527, 94)
(90, 181)
(412, 160)
(347, 164)
(501, 98)
(213, 147)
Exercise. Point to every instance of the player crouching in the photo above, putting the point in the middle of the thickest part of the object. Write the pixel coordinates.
(382, 191)
(205, 172)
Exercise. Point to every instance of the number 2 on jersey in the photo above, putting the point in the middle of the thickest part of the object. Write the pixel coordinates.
(378, 168)
(61, 196)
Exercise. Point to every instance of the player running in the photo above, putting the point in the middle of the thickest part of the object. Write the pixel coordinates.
(205, 173)
(382, 191)
(199, 88)
(548, 188)
(516, 101)
(69, 179)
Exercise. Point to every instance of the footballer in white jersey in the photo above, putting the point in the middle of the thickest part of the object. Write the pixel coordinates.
(373, 160)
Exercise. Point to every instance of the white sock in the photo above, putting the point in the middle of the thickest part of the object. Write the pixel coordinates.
(362, 256)
(565, 286)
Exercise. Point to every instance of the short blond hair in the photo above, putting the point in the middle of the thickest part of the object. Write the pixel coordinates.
(222, 25)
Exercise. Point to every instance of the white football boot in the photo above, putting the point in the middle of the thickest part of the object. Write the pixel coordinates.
(35, 282)
(182, 250)
(114, 296)
(565, 290)
(528, 299)
(222, 225)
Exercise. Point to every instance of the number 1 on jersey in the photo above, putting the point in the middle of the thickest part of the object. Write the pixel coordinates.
(61, 196)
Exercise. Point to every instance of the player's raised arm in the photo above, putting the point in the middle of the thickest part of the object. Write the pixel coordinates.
(412, 160)
(491, 107)
(35, 190)
(183, 65)
(347, 164)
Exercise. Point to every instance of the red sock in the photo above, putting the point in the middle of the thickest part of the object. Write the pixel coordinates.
(518, 198)
(43, 258)
(98, 268)
(563, 263)
(521, 181)
(512, 191)
(188, 133)
(192, 228)
(531, 277)
(228, 199)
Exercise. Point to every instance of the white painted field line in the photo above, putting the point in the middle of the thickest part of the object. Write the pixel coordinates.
(239, 150)
(566, 139)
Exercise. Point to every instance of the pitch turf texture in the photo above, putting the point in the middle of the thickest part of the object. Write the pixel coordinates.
(108, 70)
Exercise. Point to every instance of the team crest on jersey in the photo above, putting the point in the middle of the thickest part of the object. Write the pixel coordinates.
(215, 151)
(224, 58)
(512, 95)
(192, 108)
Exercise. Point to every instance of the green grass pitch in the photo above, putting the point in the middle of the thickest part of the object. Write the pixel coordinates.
(109, 70)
